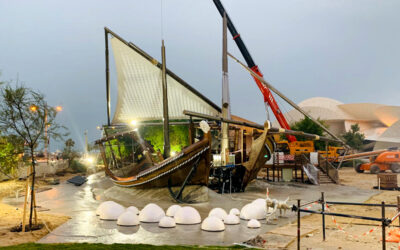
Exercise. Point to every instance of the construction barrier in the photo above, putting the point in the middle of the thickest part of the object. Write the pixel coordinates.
(394, 235)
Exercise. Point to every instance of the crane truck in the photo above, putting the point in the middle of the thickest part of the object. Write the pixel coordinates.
(294, 147)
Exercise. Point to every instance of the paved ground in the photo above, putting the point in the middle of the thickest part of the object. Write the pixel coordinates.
(81, 202)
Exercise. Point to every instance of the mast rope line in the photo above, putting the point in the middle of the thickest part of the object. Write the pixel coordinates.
(162, 20)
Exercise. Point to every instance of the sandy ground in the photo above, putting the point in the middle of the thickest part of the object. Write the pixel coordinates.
(353, 229)
(12, 216)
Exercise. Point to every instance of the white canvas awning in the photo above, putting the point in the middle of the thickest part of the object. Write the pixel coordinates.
(140, 88)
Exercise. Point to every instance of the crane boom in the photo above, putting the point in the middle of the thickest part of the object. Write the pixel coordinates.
(268, 97)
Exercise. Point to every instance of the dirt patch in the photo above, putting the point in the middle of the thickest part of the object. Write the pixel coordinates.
(355, 234)
(12, 216)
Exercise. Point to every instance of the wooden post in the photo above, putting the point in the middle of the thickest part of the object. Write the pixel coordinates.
(225, 95)
(107, 79)
(383, 227)
(298, 224)
(34, 207)
(191, 131)
(167, 146)
(323, 215)
(26, 198)
(398, 207)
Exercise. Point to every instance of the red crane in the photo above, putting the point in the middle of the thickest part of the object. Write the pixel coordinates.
(268, 97)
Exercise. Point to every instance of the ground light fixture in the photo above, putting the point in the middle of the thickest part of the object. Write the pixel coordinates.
(172, 210)
(187, 216)
(151, 213)
(213, 224)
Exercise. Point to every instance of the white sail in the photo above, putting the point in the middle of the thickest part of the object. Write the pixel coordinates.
(140, 88)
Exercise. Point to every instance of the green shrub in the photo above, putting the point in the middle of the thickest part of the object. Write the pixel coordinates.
(78, 167)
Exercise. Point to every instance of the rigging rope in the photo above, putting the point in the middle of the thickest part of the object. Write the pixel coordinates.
(161, 20)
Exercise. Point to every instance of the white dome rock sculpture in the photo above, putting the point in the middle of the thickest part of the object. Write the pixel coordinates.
(167, 222)
(252, 211)
(231, 219)
(218, 212)
(128, 218)
(100, 207)
(212, 224)
(151, 213)
(172, 210)
(111, 211)
(253, 224)
(187, 216)
(133, 209)
(234, 211)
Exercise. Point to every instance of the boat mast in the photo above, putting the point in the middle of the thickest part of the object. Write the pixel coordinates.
(167, 147)
(225, 95)
(107, 78)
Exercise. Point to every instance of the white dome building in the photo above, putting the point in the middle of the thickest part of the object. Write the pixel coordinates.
(128, 218)
(151, 213)
(218, 212)
(187, 216)
(212, 224)
(373, 119)
(111, 211)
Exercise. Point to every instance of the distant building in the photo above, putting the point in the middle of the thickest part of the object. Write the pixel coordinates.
(379, 123)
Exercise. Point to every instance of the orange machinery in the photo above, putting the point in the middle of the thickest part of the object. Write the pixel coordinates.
(379, 161)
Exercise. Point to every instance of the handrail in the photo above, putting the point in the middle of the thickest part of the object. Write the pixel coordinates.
(328, 168)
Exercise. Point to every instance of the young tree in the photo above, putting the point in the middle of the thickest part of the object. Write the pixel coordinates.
(354, 138)
(25, 113)
(10, 149)
(308, 126)
(69, 153)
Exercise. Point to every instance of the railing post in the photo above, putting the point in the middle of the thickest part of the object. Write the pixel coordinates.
(383, 227)
(298, 224)
(323, 215)
(398, 207)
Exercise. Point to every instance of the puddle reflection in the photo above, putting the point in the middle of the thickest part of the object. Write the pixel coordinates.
(128, 230)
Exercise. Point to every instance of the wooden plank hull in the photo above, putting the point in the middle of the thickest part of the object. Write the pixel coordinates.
(174, 168)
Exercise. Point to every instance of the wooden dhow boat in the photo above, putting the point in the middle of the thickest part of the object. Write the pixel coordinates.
(191, 164)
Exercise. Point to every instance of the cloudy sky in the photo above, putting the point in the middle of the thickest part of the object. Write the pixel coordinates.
(348, 50)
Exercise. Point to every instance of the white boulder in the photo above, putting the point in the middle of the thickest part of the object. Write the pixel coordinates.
(133, 209)
(234, 211)
(187, 216)
(167, 222)
(151, 213)
(128, 218)
(232, 219)
(172, 210)
(218, 212)
(253, 211)
(253, 224)
(212, 224)
(111, 211)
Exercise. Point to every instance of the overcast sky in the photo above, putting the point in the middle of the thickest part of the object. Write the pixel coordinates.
(343, 49)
